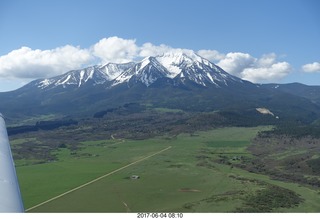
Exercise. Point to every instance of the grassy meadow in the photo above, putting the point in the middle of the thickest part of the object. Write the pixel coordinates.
(197, 174)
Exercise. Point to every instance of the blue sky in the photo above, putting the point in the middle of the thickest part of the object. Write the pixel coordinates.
(258, 40)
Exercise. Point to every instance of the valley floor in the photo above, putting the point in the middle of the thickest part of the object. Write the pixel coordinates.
(206, 171)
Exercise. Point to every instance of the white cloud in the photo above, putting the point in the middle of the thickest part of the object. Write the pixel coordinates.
(267, 69)
(118, 50)
(271, 73)
(312, 67)
(28, 63)
(115, 49)
(267, 60)
(148, 49)
(235, 63)
(258, 70)
(212, 55)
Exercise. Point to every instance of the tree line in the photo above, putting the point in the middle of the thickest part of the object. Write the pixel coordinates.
(40, 125)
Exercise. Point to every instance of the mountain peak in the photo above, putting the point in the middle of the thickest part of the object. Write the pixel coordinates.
(175, 62)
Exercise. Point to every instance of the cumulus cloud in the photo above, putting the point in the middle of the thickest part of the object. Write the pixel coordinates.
(236, 62)
(258, 70)
(267, 60)
(212, 55)
(312, 67)
(28, 63)
(118, 50)
(148, 49)
(115, 49)
(271, 73)
(267, 69)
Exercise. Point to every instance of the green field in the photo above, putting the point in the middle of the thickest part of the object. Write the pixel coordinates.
(195, 174)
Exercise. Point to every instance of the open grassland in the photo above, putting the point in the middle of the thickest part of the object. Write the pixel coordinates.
(197, 173)
(43, 181)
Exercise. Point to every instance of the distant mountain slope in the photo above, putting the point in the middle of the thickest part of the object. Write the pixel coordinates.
(173, 80)
(302, 90)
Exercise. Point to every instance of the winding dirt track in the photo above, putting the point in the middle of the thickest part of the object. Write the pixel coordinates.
(97, 179)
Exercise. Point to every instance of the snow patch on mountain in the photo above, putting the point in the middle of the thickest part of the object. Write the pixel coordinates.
(172, 62)
(113, 70)
(45, 83)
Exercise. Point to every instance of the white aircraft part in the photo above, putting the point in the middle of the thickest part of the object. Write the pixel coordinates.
(10, 197)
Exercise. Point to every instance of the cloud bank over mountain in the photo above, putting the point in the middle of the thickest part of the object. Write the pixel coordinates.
(27, 63)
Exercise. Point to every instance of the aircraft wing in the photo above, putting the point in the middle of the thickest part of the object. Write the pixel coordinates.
(10, 197)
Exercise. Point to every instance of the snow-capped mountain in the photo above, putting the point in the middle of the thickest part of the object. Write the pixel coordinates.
(173, 66)
(180, 80)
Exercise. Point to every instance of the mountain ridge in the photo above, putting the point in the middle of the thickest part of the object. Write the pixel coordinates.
(172, 80)
(169, 65)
